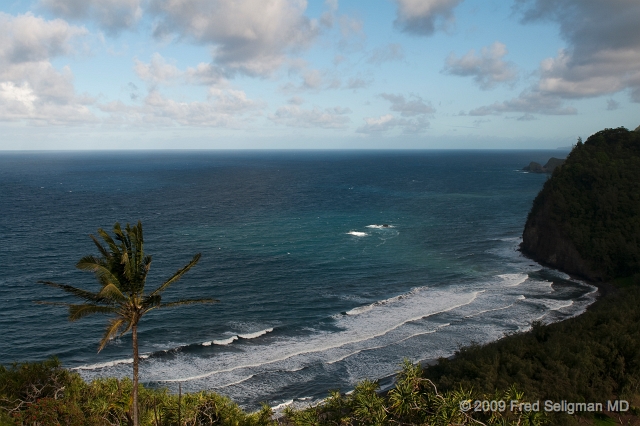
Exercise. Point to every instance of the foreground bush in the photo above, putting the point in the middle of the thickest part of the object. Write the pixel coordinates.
(413, 401)
(47, 394)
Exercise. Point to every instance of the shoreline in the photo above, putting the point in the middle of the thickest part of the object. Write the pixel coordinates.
(387, 383)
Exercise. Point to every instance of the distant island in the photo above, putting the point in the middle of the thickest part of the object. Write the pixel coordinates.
(551, 165)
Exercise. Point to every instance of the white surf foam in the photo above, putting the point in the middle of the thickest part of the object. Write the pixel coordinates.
(282, 405)
(513, 280)
(484, 311)
(223, 342)
(357, 234)
(382, 319)
(380, 226)
(256, 334)
(104, 364)
(359, 310)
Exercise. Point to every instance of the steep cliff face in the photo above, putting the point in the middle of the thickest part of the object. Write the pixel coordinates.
(544, 241)
(586, 219)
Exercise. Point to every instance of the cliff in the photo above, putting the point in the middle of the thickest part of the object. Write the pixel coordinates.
(586, 219)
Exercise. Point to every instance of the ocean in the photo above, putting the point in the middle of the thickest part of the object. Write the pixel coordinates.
(330, 266)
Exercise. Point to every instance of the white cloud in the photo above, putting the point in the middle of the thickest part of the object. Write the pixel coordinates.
(27, 38)
(312, 80)
(329, 118)
(604, 72)
(378, 124)
(420, 16)
(527, 103)
(487, 69)
(111, 15)
(413, 107)
(388, 122)
(247, 36)
(603, 56)
(31, 88)
(157, 71)
(207, 74)
(224, 108)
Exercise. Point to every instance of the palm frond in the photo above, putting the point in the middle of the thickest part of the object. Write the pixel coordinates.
(103, 250)
(79, 311)
(113, 328)
(90, 263)
(100, 268)
(187, 302)
(112, 244)
(78, 292)
(112, 292)
(177, 275)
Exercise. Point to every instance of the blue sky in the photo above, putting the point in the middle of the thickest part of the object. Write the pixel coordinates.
(209, 74)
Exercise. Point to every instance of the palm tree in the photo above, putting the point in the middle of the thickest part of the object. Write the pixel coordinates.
(122, 271)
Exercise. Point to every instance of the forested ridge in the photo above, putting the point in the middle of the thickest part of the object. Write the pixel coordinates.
(586, 219)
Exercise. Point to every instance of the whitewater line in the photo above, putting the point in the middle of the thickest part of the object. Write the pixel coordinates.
(227, 370)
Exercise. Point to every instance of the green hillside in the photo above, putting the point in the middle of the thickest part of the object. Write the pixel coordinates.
(586, 219)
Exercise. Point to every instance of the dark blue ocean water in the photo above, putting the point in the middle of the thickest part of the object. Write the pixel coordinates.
(316, 293)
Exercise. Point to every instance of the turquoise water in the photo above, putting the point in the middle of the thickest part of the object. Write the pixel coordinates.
(330, 266)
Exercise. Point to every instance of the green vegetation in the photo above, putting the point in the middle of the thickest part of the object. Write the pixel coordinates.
(594, 357)
(122, 272)
(45, 394)
(591, 205)
(413, 401)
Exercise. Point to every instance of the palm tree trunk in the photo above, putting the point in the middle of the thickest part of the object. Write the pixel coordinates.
(134, 331)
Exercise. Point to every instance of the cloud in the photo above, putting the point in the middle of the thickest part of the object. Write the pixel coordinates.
(603, 53)
(329, 118)
(160, 71)
(378, 124)
(27, 38)
(388, 53)
(111, 15)
(207, 74)
(31, 88)
(387, 122)
(419, 17)
(487, 69)
(527, 103)
(410, 108)
(157, 71)
(224, 108)
(248, 37)
(312, 80)
(415, 107)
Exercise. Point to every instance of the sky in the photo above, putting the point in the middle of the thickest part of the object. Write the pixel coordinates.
(332, 74)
